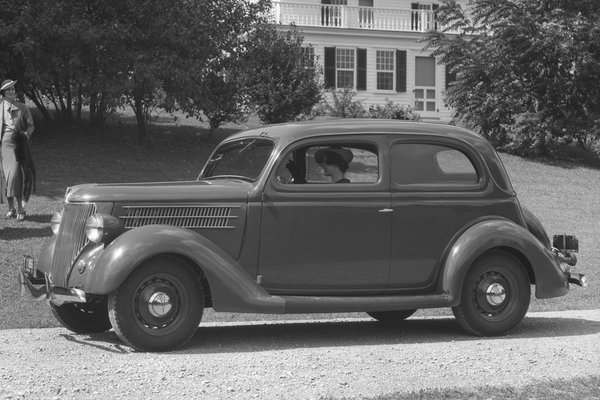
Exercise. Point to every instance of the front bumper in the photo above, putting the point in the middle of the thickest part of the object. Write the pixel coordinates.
(40, 286)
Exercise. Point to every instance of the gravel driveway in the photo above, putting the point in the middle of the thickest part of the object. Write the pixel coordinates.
(299, 359)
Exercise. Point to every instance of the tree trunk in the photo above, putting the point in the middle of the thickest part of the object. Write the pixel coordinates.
(140, 114)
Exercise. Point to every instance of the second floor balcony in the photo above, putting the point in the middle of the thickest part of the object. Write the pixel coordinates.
(354, 17)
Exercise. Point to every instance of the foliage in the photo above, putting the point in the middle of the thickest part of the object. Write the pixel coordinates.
(281, 81)
(515, 59)
(343, 105)
(105, 53)
(391, 110)
(220, 99)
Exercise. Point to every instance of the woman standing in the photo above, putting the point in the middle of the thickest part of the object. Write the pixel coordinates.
(17, 124)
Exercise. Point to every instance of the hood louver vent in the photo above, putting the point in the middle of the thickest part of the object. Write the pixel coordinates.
(180, 216)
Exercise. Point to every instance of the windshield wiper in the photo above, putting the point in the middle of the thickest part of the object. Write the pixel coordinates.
(247, 146)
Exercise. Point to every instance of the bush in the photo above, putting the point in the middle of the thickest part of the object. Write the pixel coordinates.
(393, 110)
(343, 106)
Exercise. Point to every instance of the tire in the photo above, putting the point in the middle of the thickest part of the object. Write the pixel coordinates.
(82, 318)
(495, 296)
(178, 303)
(391, 316)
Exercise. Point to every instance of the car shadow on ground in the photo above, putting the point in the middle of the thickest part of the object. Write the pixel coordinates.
(290, 335)
(285, 335)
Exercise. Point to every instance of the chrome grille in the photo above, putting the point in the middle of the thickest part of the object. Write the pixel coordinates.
(180, 216)
(70, 240)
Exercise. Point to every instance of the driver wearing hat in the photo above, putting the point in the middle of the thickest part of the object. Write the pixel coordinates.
(334, 161)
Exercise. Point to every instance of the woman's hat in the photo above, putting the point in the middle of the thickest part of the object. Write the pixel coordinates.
(7, 83)
(346, 154)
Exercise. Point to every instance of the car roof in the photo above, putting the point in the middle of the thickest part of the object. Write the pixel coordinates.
(293, 131)
(287, 133)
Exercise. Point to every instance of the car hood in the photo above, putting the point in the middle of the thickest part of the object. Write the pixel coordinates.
(231, 191)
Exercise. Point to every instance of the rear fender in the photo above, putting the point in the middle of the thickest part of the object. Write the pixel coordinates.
(501, 234)
(232, 288)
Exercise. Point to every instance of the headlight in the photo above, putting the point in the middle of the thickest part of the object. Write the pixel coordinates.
(55, 222)
(102, 228)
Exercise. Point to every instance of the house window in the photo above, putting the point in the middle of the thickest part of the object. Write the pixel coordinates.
(308, 56)
(345, 65)
(385, 69)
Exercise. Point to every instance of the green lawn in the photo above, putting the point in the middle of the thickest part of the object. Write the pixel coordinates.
(565, 197)
(574, 389)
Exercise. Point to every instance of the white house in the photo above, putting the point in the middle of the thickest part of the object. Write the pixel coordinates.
(372, 47)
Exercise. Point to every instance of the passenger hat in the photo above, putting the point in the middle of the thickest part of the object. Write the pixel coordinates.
(346, 154)
(7, 83)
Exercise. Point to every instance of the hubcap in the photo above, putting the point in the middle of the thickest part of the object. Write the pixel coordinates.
(491, 294)
(495, 294)
(159, 304)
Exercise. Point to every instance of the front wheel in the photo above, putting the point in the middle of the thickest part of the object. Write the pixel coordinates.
(495, 295)
(82, 318)
(391, 316)
(159, 306)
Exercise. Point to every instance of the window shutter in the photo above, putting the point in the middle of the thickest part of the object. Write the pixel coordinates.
(329, 67)
(361, 81)
(400, 70)
(450, 77)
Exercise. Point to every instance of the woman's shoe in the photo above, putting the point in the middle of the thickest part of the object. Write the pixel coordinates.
(12, 213)
(21, 216)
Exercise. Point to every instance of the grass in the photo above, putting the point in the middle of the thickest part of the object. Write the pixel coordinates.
(573, 389)
(564, 196)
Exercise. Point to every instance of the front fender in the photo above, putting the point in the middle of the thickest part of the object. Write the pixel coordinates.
(501, 233)
(46, 255)
(232, 288)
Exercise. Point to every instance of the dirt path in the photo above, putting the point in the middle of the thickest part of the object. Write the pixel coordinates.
(299, 359)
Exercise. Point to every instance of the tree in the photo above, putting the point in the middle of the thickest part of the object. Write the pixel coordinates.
(105, 53)
(282, 79)
(526, 71)
(213, 87)
(221, 98)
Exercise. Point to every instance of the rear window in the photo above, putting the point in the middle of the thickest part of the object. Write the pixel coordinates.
(420, 163)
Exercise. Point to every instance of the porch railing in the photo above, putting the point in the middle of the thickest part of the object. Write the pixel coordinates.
(344, 17)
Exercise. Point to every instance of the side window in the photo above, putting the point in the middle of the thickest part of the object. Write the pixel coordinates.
(416, 163)
(334, 162)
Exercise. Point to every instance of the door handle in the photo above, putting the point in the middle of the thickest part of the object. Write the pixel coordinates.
(386, 210)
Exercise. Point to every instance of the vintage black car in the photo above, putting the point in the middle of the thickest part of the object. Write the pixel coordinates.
(383, 217)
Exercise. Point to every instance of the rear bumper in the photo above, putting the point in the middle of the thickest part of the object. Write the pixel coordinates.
(576, 278)
(570, 260)
(40, 287)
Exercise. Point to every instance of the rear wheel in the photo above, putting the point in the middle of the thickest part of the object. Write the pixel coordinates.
(159, 306)
(82, 317)
(391, 316)
(495, 295)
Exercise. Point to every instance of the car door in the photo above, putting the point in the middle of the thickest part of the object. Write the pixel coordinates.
(438, 188)
(320, 237)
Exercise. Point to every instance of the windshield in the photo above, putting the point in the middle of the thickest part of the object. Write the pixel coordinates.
(242, 159)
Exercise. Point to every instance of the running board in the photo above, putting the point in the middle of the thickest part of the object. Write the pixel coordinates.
(335, 304)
